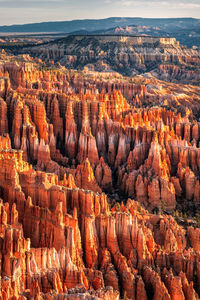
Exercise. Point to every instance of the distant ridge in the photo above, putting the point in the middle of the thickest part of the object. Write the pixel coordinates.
(185, 30)
(101, 24)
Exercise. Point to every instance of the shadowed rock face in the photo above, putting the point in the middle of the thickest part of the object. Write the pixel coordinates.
(128, 55)
(72, 145)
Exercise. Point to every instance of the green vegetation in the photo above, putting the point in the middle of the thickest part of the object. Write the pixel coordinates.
(185, 220)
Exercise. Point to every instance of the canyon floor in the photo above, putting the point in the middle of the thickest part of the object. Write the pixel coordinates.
(100, 170)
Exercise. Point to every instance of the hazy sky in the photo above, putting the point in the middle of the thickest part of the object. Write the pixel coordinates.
(29, 11)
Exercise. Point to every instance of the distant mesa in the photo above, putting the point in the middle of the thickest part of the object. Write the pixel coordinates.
(186, 30)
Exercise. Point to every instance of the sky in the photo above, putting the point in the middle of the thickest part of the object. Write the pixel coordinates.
(29, 11)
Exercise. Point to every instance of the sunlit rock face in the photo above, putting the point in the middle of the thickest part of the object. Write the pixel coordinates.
(93, 166)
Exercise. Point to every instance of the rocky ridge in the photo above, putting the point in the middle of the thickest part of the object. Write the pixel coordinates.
(164, 57)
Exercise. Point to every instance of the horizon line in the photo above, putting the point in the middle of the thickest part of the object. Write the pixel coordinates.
(94, 19)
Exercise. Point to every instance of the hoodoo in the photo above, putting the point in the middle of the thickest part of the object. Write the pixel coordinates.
(99, 172)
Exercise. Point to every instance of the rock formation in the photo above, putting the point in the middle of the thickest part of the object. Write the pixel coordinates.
(92, 168)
